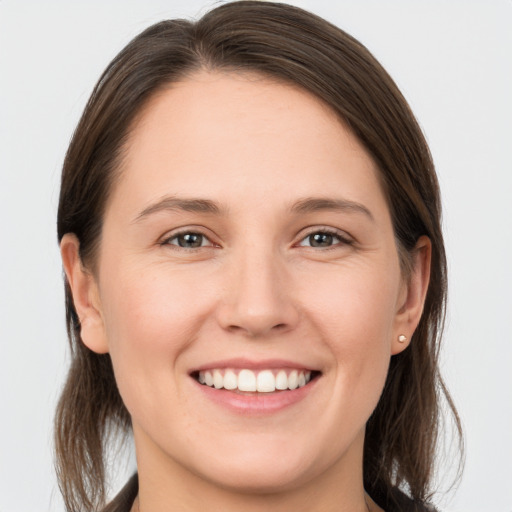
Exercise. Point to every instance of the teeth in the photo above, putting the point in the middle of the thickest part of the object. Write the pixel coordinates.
(246, 381)
(293, 380)
(281, 380)
(265, 381)
(218, 379)
(230, 380)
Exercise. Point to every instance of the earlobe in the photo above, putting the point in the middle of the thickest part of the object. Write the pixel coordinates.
(85, 294)
(410, 307)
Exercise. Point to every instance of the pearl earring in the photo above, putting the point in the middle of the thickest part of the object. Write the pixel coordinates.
(402, 338)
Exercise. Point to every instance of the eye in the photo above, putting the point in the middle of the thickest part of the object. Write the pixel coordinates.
(189, 240)
(324, 239)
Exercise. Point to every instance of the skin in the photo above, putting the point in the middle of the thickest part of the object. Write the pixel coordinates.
(256, 289)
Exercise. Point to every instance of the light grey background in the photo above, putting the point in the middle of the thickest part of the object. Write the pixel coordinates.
(452, 60)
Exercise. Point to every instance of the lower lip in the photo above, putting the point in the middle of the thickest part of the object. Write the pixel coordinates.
(256, 403)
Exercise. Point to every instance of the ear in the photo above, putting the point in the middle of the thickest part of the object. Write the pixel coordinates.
(412, 296)
(85, 295)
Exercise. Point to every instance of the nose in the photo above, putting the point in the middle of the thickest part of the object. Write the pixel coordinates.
(257, 299)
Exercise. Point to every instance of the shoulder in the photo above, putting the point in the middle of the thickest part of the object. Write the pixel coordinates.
(123, 502)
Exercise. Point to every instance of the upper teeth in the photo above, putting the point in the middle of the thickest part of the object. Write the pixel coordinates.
(264, 381)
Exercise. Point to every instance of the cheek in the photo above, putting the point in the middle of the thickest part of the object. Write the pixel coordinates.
(150, 320)
(355, 315)
(150, 309)
(356, 304)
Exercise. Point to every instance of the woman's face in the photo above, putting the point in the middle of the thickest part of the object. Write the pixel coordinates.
(247, 243)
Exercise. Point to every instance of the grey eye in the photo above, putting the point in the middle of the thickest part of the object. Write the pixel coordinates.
(325, 239)
(189, 240)
(320, 239)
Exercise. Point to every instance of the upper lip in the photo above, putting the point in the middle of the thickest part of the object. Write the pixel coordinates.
(249, 364)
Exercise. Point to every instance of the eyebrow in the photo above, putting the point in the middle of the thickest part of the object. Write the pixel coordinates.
(302, 206)
(317, 204)
(181, 204)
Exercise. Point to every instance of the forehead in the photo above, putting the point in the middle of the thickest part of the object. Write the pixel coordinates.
(212, 133)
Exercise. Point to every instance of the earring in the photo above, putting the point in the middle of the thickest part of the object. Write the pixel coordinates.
(402, 338)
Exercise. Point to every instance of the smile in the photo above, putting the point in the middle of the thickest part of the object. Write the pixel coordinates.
(263, 381)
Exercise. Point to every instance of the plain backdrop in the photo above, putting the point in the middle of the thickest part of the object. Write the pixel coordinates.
(453, 62)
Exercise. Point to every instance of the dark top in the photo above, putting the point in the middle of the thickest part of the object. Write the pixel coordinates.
(123, 502)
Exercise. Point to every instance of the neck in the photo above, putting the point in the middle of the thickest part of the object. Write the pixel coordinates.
(165, 484)
(370, 505)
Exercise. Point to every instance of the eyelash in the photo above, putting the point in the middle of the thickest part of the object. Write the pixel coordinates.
(175, 236)
(342, 238)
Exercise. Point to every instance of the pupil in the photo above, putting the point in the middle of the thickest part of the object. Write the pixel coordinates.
(320, 240)
(190, 240)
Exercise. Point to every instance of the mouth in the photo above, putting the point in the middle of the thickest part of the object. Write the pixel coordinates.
(249, 381)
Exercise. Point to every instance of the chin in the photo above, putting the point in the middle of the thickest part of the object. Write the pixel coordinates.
(270, 479)
(263, 470)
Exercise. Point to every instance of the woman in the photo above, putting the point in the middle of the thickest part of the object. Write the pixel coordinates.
(249, 224)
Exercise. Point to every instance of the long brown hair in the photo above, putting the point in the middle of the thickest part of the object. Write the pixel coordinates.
(297, 47)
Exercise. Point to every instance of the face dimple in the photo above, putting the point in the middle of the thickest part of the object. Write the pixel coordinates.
(292, 260)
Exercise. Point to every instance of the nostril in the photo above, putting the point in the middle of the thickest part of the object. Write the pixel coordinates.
(257, 318)
(256, 330)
